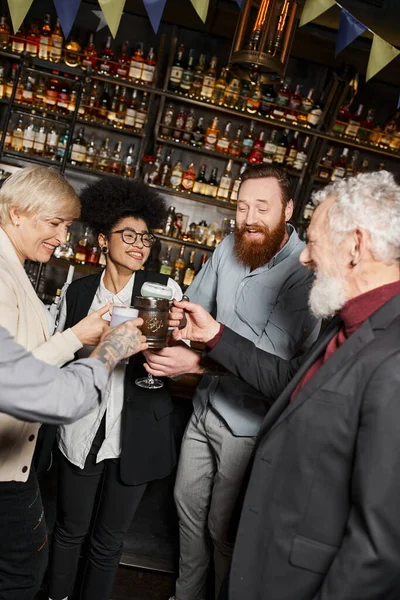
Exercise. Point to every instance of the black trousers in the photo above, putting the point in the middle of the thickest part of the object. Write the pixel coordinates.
(23, 539)
(92, 503)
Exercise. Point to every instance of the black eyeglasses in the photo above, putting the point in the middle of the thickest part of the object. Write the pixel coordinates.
(129, 236)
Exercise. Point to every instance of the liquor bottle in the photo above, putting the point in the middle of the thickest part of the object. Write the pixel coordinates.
(315, 115)
(198, 134)
(281, 147)
(82, 248)
(167, 121)
(149, 68)
(367, 125)
(103, 157)
(51, 97)
(189, 127)
(166, 263)
(112, 111)
(116, 159)
(198, 76)
(339, 170)
(291, 151)
(136, 65)
(308, 102)
(57, 40)
(180, 121)
(212, 185)
(91, 154)
(72, 54)
(190, 271)
(50, 150)
(248, 141)
(128, 162)
(220, 88)
(225, 183)
(200, 181)
(175, 77)
(63, 98)
(29, 136)
(245, 92)
(39, 142)
(176, 176)
(235, 149)
(104, 103)
(45, 38)
(4, 33)
(270, 148)
(141, 113)
(93, 256)
(267, 98)
(152, 175)
(169, 221)
(188, 179)
(283, 95)
(2, 82)
(62, 145)
(381, 166)
(301, 156)
(18, 41)
(232, 93)
(211, 135)
(79, 148)
(165, 171)
(257, 153)
(209, 80)
(364, 167)
(254, 100)
(339, 125)
(351, 163)
(105, 66)
(354, 122)
(89, 60)
(386, 136)
(179, 267)
(27, 92)
(11, 81)
(33, 39)
(130, 116)
(203, 261)
(187, 75)
(65, 251)
(17, 138)
(308, 211)
(224, 140)
(93, 102)
(295, 101)
(121, 109)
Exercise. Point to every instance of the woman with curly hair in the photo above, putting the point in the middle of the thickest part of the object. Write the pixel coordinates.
(106, 459)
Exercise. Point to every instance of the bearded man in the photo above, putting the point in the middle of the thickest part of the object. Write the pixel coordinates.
(254, 284)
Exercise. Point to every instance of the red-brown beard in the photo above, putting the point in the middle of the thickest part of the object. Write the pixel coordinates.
(255, 254)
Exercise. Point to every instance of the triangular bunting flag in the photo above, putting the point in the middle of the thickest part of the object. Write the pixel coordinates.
(67, 11)
(201, 7)
(382, 53)
(112, 11)
(18, 10)
(155, 9)
(240, 3)
(349, 29)
(313, 8)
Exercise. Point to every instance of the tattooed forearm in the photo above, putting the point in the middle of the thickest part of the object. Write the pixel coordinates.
(123, 341)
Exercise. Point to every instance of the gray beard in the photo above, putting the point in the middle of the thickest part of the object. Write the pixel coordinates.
(327, 296)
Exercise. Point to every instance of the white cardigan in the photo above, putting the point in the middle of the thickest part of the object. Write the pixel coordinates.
(23, 314)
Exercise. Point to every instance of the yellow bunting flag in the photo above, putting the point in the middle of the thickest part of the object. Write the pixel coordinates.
(201, 7)
(382, 53)
(313, 8)
(18, 10)
(112, 11)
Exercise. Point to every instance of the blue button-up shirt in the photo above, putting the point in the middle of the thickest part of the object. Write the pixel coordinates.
(268, 306)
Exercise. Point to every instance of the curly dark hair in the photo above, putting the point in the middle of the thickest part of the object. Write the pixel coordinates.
(111, 199)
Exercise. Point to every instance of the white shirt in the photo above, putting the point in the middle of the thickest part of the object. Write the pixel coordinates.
(75, 440)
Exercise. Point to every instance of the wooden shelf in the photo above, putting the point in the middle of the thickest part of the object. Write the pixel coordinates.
(106, 127)
(16, 158)
(65, 264)
(346, 141)
(179, 242)
(45, 115)
(196, 198)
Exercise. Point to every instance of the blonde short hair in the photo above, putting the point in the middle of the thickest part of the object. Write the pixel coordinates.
(39, 191)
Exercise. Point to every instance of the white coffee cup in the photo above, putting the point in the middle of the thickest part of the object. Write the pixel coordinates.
(120, 314)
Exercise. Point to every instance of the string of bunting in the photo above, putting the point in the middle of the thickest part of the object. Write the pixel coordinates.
(350, 28)
(112, 11)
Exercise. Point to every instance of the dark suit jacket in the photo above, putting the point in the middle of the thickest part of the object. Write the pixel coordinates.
(321, 515)
(148, 444)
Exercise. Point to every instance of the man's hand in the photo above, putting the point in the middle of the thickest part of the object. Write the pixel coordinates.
(172, 361)
(200, 326)
(90, 329)
(120, 342)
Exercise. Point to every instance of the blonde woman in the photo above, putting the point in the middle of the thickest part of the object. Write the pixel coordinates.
(37, 205)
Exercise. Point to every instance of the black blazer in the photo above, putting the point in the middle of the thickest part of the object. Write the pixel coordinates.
(148, 445)
(321, 516)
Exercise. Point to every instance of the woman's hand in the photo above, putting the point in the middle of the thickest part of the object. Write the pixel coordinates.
(200, 326)
(92, 327)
